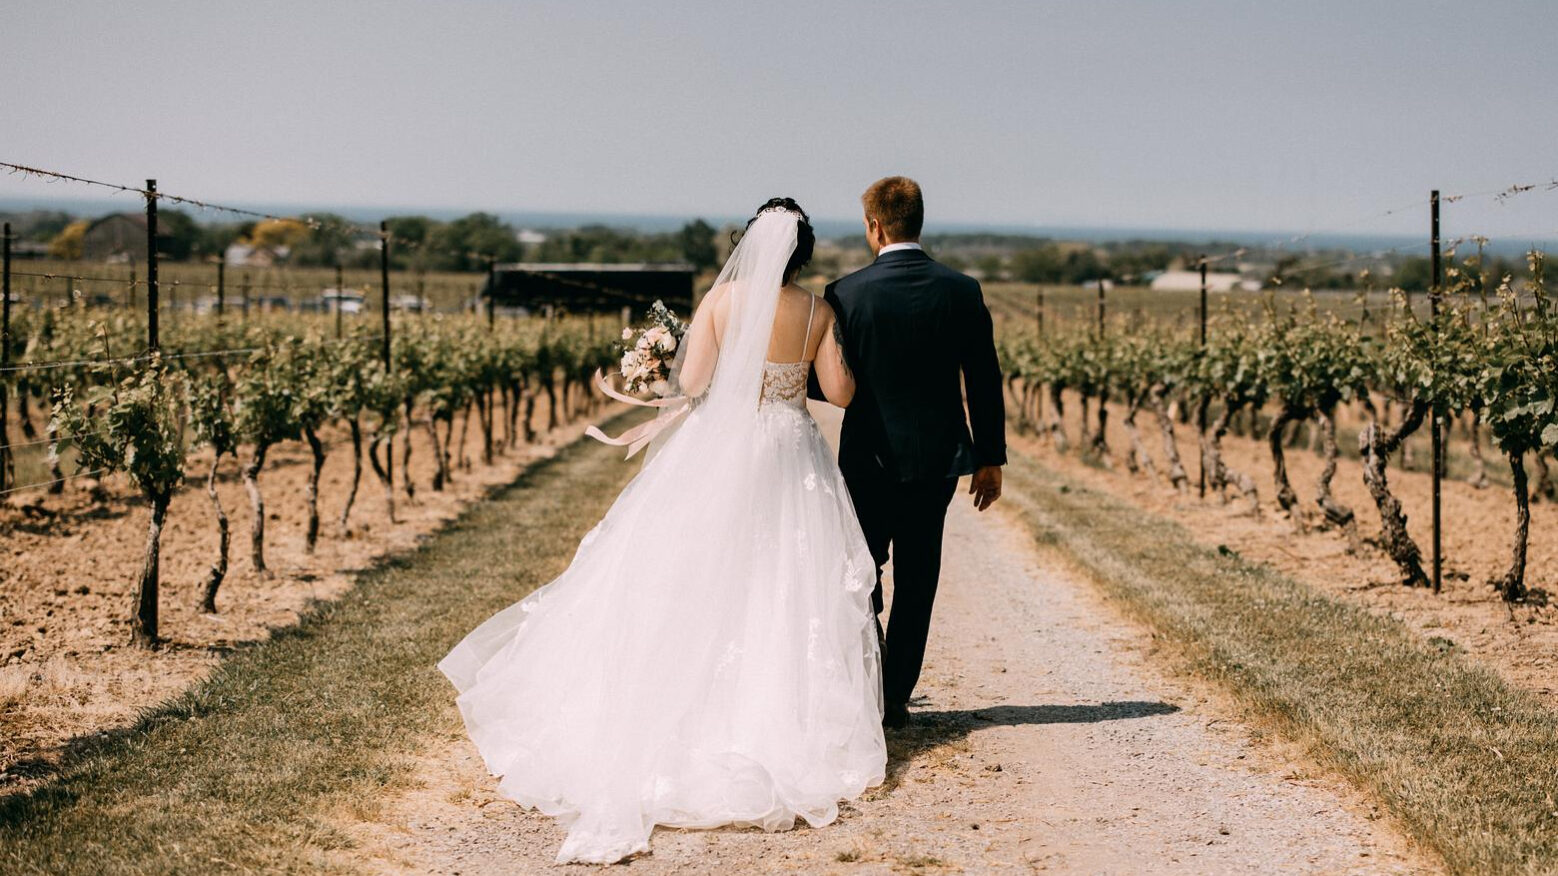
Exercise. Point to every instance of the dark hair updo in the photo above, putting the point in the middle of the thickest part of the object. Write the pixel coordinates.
(805, 237)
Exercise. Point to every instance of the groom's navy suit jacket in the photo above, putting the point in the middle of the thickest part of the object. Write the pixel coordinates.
(912, 328)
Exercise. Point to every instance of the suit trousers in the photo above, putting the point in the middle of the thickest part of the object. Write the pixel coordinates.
(904, 519)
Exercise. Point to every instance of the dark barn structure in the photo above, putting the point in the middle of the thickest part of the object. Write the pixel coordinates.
(592, 288)
(116, 237)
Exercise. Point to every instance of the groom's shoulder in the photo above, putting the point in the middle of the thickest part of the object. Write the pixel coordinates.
(846, 284)
(952, 282)
(950, 275)
(924, 268)
(854, 277)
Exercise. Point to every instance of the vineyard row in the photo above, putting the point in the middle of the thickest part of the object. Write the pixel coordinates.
(242, 389)
(1490, 353)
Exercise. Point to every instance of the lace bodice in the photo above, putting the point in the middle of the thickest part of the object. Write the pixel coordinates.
(785, 383)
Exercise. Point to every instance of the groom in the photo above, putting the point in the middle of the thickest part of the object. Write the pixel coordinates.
(918, 337)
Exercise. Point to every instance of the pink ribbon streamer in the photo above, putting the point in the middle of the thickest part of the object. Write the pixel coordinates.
(638, 437)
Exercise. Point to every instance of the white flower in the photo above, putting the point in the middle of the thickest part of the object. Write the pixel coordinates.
(660, 387)
(655, 335)
(668, 343)
(627, 334)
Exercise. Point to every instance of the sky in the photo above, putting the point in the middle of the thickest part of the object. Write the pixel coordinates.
(1292, 116)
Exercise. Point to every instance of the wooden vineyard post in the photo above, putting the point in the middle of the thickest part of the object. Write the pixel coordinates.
(1201, 409)
(492, 292)
(1038, 413)
(1100, 308)
(1436, 421)
(221, 288)
(151, 265)
(1203, 302)
(384, 303)
(7, 467)
(384, 288)
(340, 290)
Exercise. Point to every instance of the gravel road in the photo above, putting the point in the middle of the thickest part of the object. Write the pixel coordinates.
(1048, 737)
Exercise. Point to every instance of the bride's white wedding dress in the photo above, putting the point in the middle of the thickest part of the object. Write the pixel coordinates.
(709, 657)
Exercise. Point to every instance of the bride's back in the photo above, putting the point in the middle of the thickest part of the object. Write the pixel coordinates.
(795, 336)
(799, 332)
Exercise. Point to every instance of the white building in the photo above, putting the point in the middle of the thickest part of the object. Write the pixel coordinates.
(344, 300)
(244, 255)
(1190, 281)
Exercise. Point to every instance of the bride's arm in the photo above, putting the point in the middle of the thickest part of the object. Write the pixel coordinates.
(833, 374)
(700, 347)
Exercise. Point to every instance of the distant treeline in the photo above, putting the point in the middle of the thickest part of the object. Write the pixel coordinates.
(465, 244)
(325, 239)
(1041, 261)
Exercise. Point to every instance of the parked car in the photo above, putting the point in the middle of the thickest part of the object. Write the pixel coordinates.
(409, 302)
(345, 300)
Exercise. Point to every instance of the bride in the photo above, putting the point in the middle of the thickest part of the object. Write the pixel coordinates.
(710, 655)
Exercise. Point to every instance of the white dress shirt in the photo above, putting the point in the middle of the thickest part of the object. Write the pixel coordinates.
(894, 247)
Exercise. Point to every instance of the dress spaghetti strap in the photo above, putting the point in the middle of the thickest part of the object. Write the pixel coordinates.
(806, 342)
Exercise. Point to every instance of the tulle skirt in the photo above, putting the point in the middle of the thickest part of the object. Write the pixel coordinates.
(708, 658)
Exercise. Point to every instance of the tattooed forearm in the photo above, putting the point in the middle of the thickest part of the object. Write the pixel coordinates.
(838, 341)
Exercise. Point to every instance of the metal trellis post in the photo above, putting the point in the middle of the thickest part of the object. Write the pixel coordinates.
(1100, 308)
(492, 292)
(151, 265)
(340, 292)
(1436, 421)
(6, 466)
(1201, 408)
(384, 241)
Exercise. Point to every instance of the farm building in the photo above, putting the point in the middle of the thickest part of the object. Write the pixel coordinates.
(116, 237)
(29, 249)
(248, 256)
(583, 288)
(1190, 281)
(121, 237)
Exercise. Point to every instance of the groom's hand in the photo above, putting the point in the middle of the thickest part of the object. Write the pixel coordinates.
(985, 486)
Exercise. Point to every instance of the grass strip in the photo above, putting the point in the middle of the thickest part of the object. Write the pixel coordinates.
(1468, 763)
(242, 772)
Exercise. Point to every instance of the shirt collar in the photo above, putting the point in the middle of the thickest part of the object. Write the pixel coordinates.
(895, 247)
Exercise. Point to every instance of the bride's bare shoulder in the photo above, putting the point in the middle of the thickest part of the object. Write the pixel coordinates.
(798, 294)
(717, 299)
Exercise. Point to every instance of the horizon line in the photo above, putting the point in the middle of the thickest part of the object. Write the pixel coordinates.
(626, 218)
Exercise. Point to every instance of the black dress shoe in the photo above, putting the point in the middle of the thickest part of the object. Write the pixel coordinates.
(895, 716)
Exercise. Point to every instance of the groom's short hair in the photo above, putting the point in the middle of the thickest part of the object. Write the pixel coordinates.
(896, 205)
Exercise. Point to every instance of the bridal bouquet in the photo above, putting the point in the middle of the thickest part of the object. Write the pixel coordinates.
(647, 352)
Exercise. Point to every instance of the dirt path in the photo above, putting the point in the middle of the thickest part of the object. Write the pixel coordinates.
(1046, 738)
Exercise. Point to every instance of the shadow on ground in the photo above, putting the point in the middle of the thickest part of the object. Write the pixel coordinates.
(930, 730)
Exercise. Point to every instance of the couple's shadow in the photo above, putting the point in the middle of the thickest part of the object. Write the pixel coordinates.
(930, 730)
